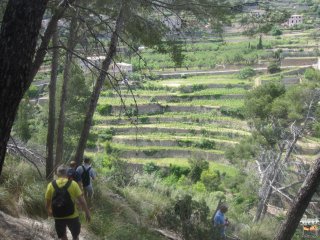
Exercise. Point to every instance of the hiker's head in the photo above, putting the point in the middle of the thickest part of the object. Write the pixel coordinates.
(86, 160)
(73, 164)
(223, 208)
(62, 171)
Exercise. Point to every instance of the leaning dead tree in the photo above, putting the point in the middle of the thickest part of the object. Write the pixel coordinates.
(274, 163)
(20, 150)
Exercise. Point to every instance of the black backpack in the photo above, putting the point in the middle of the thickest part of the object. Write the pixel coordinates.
(62, 204)
(85, 176)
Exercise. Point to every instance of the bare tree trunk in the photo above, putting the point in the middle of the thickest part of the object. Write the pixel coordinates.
(42, 49)
(18, 38)
(270, 180)
(300, 204)
(66, 77)
(98, 86)
(52, 105)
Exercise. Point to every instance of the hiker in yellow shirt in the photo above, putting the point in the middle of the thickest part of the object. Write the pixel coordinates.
(61, 197)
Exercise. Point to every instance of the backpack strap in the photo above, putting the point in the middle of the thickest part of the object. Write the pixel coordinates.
(54, 184)
(66, 186)
(84, 169)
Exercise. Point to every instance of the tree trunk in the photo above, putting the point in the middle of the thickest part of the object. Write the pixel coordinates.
(300, 204)
(66, 77)
(52, 104)
(271, 178)
(18, 38)
(98, 86)
(42, 49)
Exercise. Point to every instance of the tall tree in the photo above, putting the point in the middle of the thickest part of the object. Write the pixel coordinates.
(52, 104)
(72, 42)
(18, 39)
(98, 86)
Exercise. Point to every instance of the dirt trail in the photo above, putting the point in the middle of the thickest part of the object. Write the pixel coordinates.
(24, 228)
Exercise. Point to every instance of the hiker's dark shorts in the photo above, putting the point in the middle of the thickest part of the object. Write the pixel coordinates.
(73, 224)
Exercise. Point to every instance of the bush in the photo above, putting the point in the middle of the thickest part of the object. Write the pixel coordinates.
(178, 171)
(205, 144)
(104, 110)
(232, 112)
(275, 31)
(274, 67)
(312, 75)
(246, 72)
(120, 172)
(105, 137)
(188, 217)
(211, 180)
(150, 168)
(33, 92)
(197, 166)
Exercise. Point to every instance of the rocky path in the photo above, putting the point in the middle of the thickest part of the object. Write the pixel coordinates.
(24, 228)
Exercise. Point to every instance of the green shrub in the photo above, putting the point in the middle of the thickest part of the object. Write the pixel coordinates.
(33, 92)
(205, 144)
(150, 167)
(232, 112)
(275, 31)
(92, 139)
(211, 180)
(105, 137)
(178, 171)
(104, 110)
(144, 120)
(196, 168)
(274, 67)
(31, 199)
(108, 148)
(246, 72)
(120, 173)
(197, 87)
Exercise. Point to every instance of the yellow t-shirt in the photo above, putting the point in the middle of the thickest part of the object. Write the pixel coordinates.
(73, 190)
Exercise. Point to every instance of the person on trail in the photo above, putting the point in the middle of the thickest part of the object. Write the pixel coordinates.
(73, 174)
(87, 175)
(61, 197)
(219, 223)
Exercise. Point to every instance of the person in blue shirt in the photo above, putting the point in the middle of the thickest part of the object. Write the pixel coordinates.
(220, 223)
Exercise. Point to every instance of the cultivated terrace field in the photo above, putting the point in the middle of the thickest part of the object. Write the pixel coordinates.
(176, 119)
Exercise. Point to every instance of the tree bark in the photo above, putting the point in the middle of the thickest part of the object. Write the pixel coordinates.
(52, 104)
(18, 38)
(66, 77)
(300, 204)
(98, 86)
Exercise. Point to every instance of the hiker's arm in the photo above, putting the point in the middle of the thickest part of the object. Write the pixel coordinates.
(84, 206)
(48, 207)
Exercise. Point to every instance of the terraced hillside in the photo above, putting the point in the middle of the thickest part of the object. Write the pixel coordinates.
(173, 120)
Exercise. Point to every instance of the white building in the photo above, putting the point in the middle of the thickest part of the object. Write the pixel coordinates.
(96, 61)
(294, 20)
